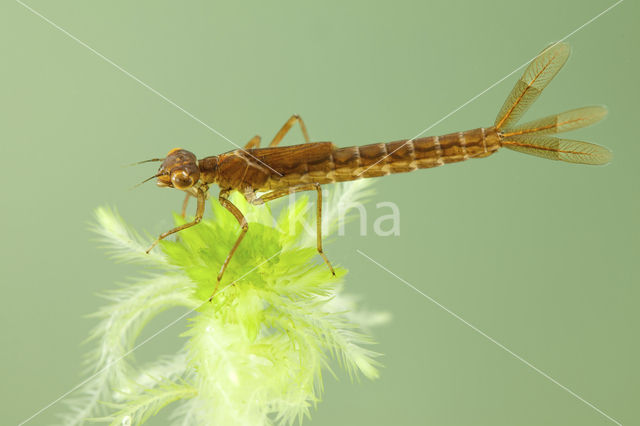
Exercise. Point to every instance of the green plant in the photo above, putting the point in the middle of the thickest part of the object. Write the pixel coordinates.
(255, 354)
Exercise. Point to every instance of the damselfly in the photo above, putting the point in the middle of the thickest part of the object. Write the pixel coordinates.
(278, 171)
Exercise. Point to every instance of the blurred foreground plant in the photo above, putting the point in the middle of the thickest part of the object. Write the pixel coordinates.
(254, 355)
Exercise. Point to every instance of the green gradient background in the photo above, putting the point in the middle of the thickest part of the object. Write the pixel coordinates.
(542, 256)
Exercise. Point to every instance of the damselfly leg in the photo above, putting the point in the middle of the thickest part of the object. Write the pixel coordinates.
(199, 213)
(306, 187)
(242, 221)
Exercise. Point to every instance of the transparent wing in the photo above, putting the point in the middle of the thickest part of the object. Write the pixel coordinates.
(558, 123)
(535, 78)
(559, 149)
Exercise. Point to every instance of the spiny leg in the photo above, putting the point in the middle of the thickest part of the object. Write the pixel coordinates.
(253, 143)
(307, 187)
(196, 220)
(295, 118)
(227, 204)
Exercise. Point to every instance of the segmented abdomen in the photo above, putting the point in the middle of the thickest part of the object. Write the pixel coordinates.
(407, 155)
(327, 164)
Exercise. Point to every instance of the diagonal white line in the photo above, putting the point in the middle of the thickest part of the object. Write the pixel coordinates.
(491, 339)
(73, 389)
(128, 74)
(492, 86)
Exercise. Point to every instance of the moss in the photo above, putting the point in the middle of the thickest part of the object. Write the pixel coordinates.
(256, 353)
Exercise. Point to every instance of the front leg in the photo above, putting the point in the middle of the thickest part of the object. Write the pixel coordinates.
(191, 192)
(200, 195)
(227, 204)
(185, 204)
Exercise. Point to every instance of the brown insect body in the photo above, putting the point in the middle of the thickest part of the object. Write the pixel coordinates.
(324, 163)
(279, 171)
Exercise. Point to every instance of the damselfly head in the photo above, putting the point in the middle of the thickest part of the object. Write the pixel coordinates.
(178, 170)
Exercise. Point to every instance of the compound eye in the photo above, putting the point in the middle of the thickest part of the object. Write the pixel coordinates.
(181, 179)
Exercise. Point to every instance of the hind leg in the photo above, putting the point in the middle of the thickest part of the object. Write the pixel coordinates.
(306, 187)
(253, 143)
(295, 118)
